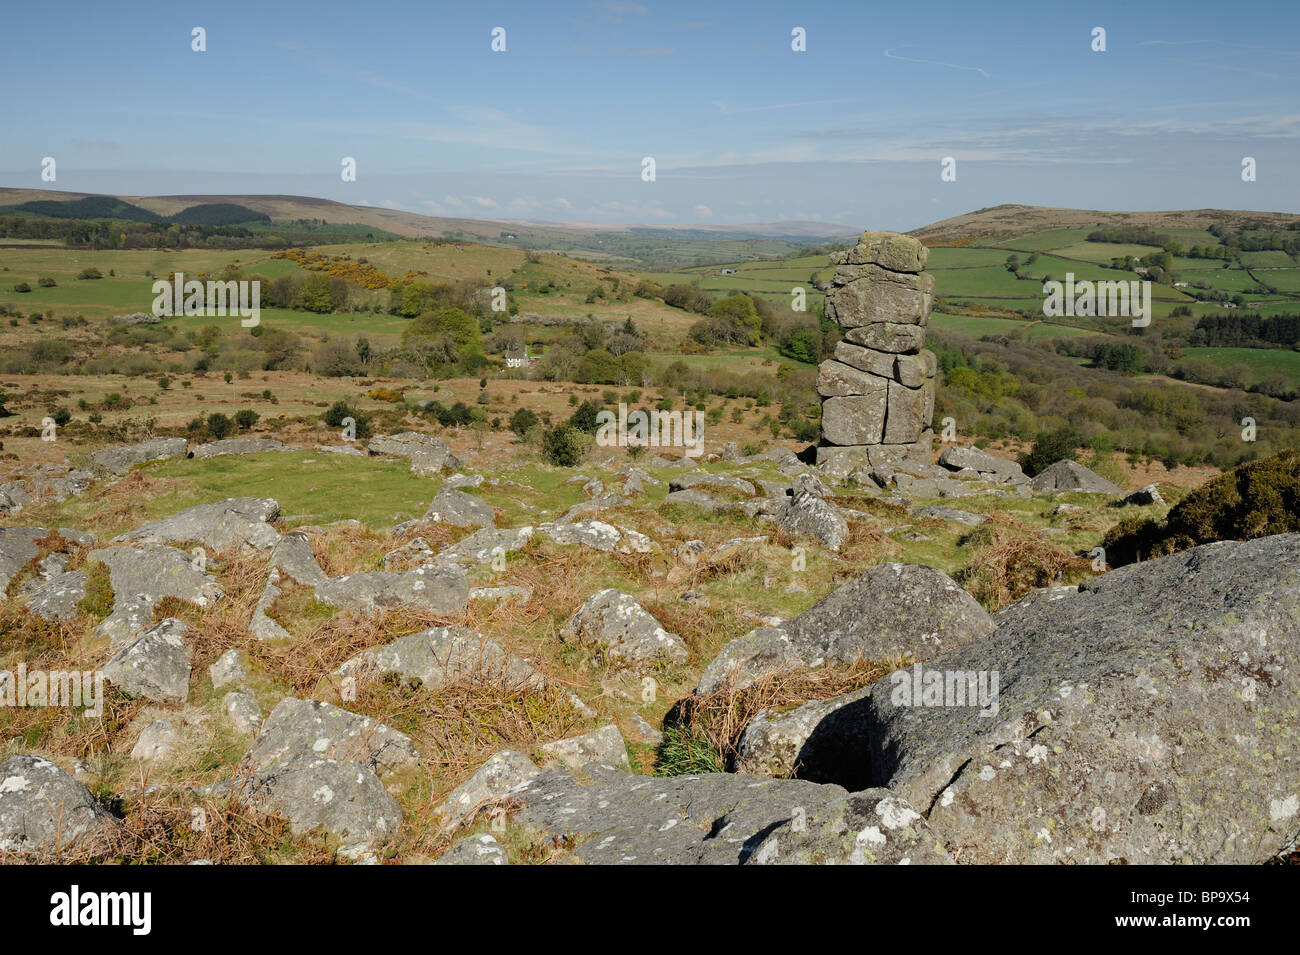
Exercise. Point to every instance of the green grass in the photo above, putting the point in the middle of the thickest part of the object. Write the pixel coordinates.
(1261, 361)
(312, 487)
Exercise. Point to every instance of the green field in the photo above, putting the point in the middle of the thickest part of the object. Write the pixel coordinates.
(1262, 362)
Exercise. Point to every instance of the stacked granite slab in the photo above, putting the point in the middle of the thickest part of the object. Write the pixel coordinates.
(878, 389)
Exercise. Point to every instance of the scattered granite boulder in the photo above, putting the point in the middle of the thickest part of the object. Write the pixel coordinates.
(18, 548)
(870, 827)
(499, 776)
(341, 797)
(155, 665)
(475, 850)
(888, 611)
(237, 523)
(950, 514)
(604, 746)
(228, 669)
(1072, 476)
(310, 729)
(427, 453)
(482, 546)
(143, 574)
(706, 479)
(1142, 719)
(598, 535)
(982, 465)
(1144, 496)
(121, 460)
(820, 741)
(43, 809)
(437, 588)
(696, 498)
(157, 741)
(806, 514)
(459, 480)
(459, 509)
(643, 732)
(216, 449)
(56, 598)
(443, 655)
(623, 634)
(242, 709)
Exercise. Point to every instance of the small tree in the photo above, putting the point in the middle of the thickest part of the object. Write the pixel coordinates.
(218, 425)
(563, 446)
(245, 418)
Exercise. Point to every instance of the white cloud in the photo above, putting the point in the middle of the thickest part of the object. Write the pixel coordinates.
(703, 211)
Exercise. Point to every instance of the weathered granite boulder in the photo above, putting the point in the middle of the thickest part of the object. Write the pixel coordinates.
(155, 665)
(871, 827)
(43, 809)
(121, 460)
(459, 509)
(623, 633)
(216, 449)
(227, 669)
(443, 655)
(1144, 496)
(888, 611)
(604, 746)
(298, 729)
(985, 466)
(476, 850)
(1072, 476)
(237, 523)
(807, 514)
(705, 479)
(437, 588)
(501, 774)
(1146, 718)
(143, 574)
(719, 819)
(427, 453)
(820, 741)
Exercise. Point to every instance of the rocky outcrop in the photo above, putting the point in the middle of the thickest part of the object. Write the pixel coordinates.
(155, 665)
(1147, 717)
(121, 460)
(428, 454)
(878, 388)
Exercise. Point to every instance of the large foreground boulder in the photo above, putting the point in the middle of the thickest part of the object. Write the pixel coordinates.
(1149, 717)
(721, 819)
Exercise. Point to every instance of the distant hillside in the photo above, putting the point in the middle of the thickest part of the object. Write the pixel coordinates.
(1010, 221)
(410, 224)
(89, 207)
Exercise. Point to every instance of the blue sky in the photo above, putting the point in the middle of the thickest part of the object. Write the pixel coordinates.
(742, 128)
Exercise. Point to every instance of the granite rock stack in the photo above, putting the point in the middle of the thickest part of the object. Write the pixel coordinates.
(878, 389)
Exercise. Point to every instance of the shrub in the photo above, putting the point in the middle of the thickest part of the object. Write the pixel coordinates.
(563, 446)
(584, 419)
(245, 418)
(218, 425)
(22, 287)
(90, 273)
(46, 282)
(61, 416)
(1049, 447)
(522, 420)
(1253, 500)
